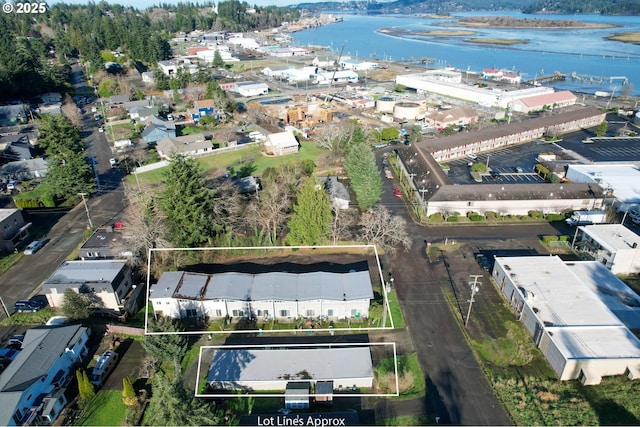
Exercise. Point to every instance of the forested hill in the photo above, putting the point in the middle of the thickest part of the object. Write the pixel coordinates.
(602, 7)
(35, 49)
(415, 6)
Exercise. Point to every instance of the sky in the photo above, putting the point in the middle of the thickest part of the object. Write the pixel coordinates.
(143, 4)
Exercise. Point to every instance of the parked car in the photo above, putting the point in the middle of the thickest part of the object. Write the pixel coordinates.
(483, 262)
(57, 320)
(518, 169)
(27, 305)
(113, 162)
(472, 156)
(12, 185)
(397, 192)
(101, 129)
(33, 247)
(15, 342)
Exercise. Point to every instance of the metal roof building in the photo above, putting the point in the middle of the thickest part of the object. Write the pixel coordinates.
(569, 311)
(312, 294)
(272, 369)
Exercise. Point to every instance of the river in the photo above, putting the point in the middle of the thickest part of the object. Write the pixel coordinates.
(583, 51)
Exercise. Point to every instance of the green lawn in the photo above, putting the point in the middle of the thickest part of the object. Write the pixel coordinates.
(106, 409)
(251, 158)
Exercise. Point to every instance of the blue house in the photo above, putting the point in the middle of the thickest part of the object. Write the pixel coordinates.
(157, 129)
(201, 108)
(32, 388)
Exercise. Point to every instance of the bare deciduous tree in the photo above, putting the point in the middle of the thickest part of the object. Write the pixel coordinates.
(144, 224)
(343, 222)
(380, 227)
(71, 112)
(228, 207)
(271, 211)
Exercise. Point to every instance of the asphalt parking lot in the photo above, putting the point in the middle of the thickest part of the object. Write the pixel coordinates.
(504, 162)
(605, 149)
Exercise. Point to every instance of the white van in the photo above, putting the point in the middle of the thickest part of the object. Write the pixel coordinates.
(257, 135)
(106, 363)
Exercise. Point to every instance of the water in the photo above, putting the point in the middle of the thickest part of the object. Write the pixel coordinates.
(583, 51)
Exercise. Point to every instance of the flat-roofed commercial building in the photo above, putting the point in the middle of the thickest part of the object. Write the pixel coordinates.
(569, 311)
(273, 369)
(613, 245)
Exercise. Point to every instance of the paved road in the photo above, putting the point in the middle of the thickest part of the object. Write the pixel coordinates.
(65, 232)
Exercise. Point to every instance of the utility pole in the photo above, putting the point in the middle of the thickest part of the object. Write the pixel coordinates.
(86, 208)
(474, 289)
(4, 307)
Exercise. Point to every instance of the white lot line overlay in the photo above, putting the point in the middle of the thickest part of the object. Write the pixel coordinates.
(331, 345)
(386, 309)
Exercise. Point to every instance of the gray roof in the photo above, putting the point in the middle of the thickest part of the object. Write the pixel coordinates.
(265, 286)
(488, 133)
(41, 348)
(81, 272)
(543, 191)
(336, 189)
(234, 365)
(184, 144)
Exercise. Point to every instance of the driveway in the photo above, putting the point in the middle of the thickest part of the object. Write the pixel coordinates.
(131, 354)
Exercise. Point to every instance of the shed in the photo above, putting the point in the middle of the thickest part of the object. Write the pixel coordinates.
(296, 395)
(324, 392)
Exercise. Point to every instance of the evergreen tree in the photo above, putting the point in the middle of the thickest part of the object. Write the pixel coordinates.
(85, 387)
(167, 347)
(360, 164)
(188, 203)
(75, 305)
(129, 397)
(310, 223)
(217, 59)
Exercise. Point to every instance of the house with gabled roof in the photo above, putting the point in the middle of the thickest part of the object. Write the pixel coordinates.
(32, 386)
(190, 145)
(281, 143)
(454, 117)
(157, 129)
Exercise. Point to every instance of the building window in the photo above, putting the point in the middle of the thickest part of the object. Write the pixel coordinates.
(218, 312)
(330, 312)
(191, 312)
(354, 312)
(237, 313)
(284, 313)
(310, 313)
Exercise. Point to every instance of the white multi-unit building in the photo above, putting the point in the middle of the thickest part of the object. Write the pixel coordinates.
(271, 295)
(578, 313)
(274, 369)
(613, 245)
(621, 180)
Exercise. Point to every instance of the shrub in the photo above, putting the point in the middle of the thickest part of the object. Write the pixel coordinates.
(478, 167)
(535, 214)
(564, 238)
(547, 239)
(476, 218)
(436, 217)
(452, 218)
(491, 215)
(555, 217)
(471, 213)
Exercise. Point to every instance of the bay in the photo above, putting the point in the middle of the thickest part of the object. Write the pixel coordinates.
(585, 52)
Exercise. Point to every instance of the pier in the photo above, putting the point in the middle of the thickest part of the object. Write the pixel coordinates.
(598, 79)
(557, 76)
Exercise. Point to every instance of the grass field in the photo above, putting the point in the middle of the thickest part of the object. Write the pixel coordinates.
(250, 158)
(105, 409)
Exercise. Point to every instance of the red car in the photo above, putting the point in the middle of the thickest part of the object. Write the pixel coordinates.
(397, 192)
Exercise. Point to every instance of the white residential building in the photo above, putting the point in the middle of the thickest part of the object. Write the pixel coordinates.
(341, 76)
(281, 143)
(578, 313)
(613, 245)
(251, 88)
(274, 369)
(274, 295)
(168, 68)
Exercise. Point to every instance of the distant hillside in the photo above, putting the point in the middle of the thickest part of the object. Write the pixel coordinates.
(416, 6)
(602, 7)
